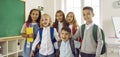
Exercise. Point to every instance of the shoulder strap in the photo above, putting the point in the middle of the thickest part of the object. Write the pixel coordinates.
(103, 38)
(72, 46)
(82, 30)
(40, 34)
(59, 44)
(95, 28)
(27, 24)
(51, 32)
(52, 35)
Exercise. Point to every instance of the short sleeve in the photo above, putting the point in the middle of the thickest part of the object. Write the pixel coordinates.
(23, 28)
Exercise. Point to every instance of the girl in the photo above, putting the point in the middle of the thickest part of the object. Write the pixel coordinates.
(59, 20)
(72, 23)
(33, 21)
(44, 36)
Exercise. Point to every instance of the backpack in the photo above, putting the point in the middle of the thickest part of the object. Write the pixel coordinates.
(51, 34)
(75, 51)
(95, 27)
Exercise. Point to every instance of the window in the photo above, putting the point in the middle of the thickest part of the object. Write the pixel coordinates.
(95, 4)
(77, 5)
(74, 6)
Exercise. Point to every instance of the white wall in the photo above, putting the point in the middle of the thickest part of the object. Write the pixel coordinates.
(50, 6)
(107, 11)
(30, 4)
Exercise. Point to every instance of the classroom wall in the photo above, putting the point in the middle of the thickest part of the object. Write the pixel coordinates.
(107, 12)
(30, 4)
(50, 6)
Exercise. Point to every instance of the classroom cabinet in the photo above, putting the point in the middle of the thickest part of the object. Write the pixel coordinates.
(11, 46)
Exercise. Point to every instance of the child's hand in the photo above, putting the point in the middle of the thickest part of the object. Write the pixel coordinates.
(31, 35)
(25, 35)
(32, 54)
(38, 46)
(59, 39)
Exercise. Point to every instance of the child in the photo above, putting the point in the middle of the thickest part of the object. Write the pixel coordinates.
(33, 21)
(46, 41)
(89, 48)
(59, 20)
(67, 45)
(71, 20)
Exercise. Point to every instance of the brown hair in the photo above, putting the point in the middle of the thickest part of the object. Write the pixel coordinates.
(66, 29)
(55, 25)
(88, 8)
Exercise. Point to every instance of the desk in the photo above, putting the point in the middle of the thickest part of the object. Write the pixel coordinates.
(113, 47)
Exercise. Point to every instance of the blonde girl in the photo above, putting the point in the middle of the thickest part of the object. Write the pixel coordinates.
(44, 37)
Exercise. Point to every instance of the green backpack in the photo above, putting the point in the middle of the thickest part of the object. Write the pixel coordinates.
(95, 27)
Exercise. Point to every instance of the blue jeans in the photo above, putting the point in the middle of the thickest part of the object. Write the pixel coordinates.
(27, 49)
(51, 55)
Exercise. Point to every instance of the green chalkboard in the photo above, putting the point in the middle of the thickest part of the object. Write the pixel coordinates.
(11, 17)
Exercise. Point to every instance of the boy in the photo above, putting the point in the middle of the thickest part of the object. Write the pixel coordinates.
(65, 48)
(89, 48)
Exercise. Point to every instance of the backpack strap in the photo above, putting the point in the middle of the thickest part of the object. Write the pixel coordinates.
(95, 28)
(59, 44)
(40, 34)
(72, 45)
(82, 30)
(103, 38)
(27, 24)
(52, 35)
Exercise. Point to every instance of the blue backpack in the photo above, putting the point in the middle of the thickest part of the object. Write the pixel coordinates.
(51, 34)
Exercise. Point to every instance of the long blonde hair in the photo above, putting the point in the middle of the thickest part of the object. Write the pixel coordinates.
(45, 15)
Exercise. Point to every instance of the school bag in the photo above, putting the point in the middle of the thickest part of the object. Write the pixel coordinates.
(94, 33)
(75, 51)
(51, 34)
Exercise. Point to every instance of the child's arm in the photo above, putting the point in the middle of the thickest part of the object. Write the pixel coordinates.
(56, 45)
(23, 32)
(77, 34)
(99, 44)
(77, 44)
(24, 35)
(35, 42)
(56, 35)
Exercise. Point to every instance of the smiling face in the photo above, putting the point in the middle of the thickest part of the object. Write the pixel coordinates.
(34, 15)
(45, 20)
(59, 17)
(88, 14)
(64, 35)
